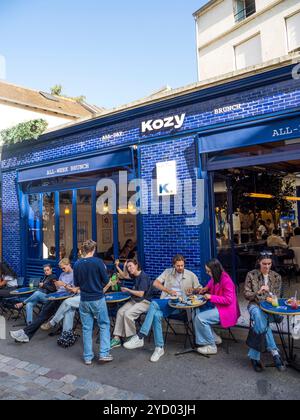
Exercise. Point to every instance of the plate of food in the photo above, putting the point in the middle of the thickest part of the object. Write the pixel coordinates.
(291, 303)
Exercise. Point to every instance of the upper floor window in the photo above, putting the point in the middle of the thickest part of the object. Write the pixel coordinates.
(293, 32)
(243, 9)
(248, 53)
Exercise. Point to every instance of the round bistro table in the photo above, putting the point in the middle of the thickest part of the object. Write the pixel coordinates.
(52, 297)
(188, 323)
(23, 291)
(288, 343)
(117, 297)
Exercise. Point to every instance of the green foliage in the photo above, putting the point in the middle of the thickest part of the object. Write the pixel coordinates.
(56, 90)
(81, 98)
(23, 131)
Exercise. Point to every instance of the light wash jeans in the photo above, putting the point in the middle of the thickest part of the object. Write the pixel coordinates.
(67, 312)
(88, 312)
(205, 335)
(37, 297)
(261, 322)
(154, 319)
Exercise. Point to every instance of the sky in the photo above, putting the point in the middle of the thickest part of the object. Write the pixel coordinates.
(113, 52)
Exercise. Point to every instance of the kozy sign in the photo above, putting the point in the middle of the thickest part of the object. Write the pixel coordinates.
(166, 178)
(175, 121)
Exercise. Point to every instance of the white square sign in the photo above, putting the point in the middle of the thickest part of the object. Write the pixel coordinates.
(166, 178)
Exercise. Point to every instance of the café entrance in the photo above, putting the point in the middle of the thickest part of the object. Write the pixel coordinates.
(254, 206)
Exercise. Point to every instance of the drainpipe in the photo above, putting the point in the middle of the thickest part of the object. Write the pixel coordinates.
(197, 47)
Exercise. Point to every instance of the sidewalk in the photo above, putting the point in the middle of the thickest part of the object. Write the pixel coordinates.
(20, 380)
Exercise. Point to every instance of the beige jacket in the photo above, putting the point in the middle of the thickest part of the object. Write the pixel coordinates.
(168, 279)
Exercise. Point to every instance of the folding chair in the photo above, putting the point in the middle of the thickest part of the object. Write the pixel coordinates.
(230, 337)
(183, 318)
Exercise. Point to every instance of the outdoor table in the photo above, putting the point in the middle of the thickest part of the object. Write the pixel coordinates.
(117, 297)
(23, 291)
(288, 345)
(188, 324)
(53, 297)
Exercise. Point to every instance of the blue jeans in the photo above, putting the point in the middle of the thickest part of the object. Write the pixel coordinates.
(154, 319)
(202, 324)
(37, 297)
(88, 312)
(261, 322)
(66, 312)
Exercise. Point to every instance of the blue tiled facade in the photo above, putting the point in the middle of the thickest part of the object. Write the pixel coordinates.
(163, 236)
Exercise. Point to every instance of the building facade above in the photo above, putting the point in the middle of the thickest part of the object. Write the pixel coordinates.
(237, 34)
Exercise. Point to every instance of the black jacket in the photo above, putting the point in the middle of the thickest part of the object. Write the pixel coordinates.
(49, 284)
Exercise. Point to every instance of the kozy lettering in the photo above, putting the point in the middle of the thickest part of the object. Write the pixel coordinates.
(175, 121)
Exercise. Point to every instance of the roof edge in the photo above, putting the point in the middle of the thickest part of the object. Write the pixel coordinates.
(205, 7)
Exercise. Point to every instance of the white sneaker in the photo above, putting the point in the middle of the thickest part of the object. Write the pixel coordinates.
(19, 336)
(218, 339)
(15, 334)
(158, 353)
(134, 343)
(208, 350)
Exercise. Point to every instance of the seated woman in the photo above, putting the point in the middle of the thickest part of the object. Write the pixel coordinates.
(260, 285)
(221, 292)
(139, 304)
(129, 250)
(46, 286)
(8, 280)
(122, 274)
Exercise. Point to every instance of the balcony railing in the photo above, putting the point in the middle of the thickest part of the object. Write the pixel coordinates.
(244, 13)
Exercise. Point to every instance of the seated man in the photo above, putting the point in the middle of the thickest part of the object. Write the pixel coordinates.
(24, 336)
(50, 284)
(173, 282)
(275, 240)
(46, 286)
(66, 312)
(66, 282)
(139, 304)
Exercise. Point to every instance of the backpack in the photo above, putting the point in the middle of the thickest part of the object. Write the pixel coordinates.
(67, 339)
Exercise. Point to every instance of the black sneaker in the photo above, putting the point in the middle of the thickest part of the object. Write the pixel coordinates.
(279, 363)
(257, 366)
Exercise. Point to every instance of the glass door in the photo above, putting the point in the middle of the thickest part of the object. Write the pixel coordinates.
(226, 230)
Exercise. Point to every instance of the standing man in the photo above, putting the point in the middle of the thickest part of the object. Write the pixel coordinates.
(91, 277)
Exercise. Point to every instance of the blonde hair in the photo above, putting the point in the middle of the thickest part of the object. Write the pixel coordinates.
(64, 261)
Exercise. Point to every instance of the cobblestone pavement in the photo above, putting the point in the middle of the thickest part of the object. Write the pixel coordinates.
(20, 380)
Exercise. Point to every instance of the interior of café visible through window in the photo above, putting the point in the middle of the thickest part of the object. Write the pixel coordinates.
(257, 208)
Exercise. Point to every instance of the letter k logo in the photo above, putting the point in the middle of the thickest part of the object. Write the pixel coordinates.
(163, 189)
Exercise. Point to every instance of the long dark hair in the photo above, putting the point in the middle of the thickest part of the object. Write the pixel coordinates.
(216, 269)
(6, 270)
